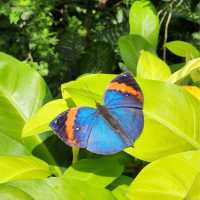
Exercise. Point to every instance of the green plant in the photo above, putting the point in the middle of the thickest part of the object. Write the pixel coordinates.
(33, 165)
(174, 135)
(177, 178)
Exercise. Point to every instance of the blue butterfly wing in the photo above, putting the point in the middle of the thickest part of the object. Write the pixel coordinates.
(74, 125)
(124, 100)
(90, 131)
(131, 120)
(103, 139)
(124, 91)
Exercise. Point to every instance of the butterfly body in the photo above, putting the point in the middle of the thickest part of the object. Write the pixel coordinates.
(110, 127)
(114, 124)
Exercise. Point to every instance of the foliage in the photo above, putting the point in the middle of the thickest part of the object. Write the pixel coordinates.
(144, 21)
(22, 167)
(183, 49)
(146, 67)
(130, 47)
(40, 167)
(57, 37)
(176, 181)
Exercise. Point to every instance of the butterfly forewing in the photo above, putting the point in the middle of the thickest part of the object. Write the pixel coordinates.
(123, 91)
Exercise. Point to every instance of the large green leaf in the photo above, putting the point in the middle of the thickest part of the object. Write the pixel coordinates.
(172, 121)
(37, 189)
(10, 146)
(72, 189)
(98, 172)
(172, 115)
(151, 67)
(191, 67)
(11, 193)
(183, 49)
(194, 90)
(22, 167)
(87, 89)
(120, 192)
(144, 21)
(174, 177)
(39, 122)
(193, 193)
(130, 47)
(57, 189)
(22, 93)
(121, 187)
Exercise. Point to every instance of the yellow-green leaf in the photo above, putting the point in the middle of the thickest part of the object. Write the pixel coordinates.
(184, 72)
(144, 21)
(183, 49)
(174, 177)
(194, 90)
(151, 67)
(39, 122)
(21, 168)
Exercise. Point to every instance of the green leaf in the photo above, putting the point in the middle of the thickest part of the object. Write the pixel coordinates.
(194, 193)
(86, 89)
(183, 49)
(181, 74)
(10, 146)
(22, 167)
(22, 93)
(176, 67)
(130, 47)
(98, 172)
(11, 193)
(167, 129)
(59, 189)
(195, 75)
(39, 122)
(121, 189)
(37, 189)
(194, 90)
(151, 67)
(174, 177)
(144, 21)
(61, 153)
(121, 192)
(68, 188)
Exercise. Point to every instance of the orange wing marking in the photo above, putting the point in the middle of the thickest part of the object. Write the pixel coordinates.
(69, 125)
(121, 87)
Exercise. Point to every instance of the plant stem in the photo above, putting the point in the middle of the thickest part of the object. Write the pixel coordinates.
(75, 152)
(166, 34)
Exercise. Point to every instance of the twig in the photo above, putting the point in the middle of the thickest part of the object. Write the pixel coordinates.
(166, 34)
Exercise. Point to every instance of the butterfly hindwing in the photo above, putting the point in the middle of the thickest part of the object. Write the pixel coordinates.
(103, 139)
(131, 120)
(123, 91)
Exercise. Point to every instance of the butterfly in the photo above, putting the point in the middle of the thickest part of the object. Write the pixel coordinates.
(110, 127)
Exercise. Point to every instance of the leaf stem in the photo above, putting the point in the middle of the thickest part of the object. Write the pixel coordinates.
(75, 152)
